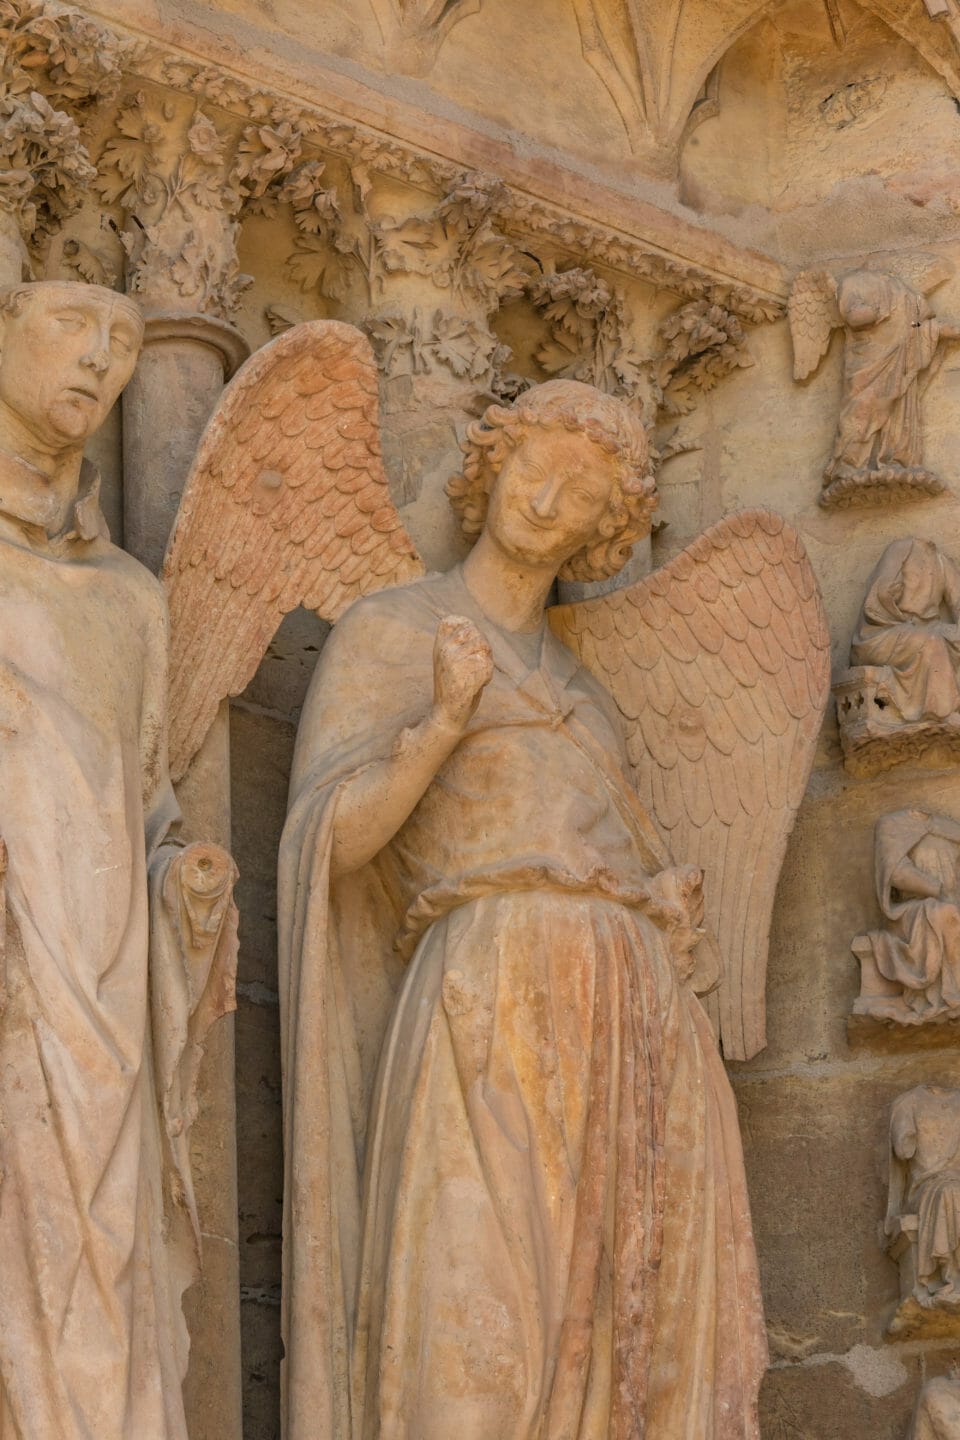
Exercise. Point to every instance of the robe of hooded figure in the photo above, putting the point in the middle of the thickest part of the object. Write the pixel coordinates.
(925, 1181)
(533, 1222)
(892, 337)
(919, 892)
(910, 622)
(104, 998)
(938, 1410)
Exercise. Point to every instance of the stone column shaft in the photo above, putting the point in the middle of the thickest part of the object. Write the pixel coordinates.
(165, 408)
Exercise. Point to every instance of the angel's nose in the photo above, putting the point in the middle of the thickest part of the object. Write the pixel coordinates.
(544, 503)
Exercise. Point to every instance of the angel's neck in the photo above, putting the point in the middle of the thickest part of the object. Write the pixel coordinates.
(511, 593)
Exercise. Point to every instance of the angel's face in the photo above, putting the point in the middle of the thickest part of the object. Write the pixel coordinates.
(550, 496)
(65, 358)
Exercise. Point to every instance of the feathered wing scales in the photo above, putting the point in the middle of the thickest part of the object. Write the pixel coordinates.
(812, 310)
(287, 504)
(720, 665)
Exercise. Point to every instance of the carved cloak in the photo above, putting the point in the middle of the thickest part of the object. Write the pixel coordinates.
(909, 622)
(920, 948)
(106, 1001)
(891, 339)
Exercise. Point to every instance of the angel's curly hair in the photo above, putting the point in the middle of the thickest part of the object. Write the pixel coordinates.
(568, 405)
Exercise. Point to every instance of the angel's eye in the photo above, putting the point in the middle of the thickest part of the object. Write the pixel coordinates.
(70, 320)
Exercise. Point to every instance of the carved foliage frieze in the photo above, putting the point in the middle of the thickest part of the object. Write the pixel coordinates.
(591, 338)
(456, 244)
(57, 63)
(184, 181)
(418, 342)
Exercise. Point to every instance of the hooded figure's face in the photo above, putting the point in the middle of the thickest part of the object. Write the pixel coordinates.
(919, 587)
(65, 357)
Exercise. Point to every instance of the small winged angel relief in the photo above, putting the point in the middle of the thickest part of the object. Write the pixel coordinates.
(892, 340)
(521, 841)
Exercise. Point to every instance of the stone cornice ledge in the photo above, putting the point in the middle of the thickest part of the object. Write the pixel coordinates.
(345, 109)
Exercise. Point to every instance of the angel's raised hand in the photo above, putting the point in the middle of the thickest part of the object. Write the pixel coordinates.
(462, 667)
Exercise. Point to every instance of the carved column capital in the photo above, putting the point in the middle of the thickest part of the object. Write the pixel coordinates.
(57, 64)
(184, 182)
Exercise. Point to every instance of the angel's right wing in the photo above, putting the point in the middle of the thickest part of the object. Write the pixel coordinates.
(813, 313)
(287, 504)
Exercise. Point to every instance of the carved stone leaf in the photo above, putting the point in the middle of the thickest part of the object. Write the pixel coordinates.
(129, 160)
(316, 209)
(489, 269)
(412, 246)
(462, 345)
(46, 163)
(705, 343)
(265, 153)
(67, 54)
(319, 267)
(393, 339)
(556, 357)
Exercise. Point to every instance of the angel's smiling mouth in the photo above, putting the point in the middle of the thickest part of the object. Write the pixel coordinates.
(537, 524)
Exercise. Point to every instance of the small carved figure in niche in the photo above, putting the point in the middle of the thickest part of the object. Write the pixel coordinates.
(910, 970)
(892, 339)
(514, 1196)
(937, 1416)
(923, 1207)
(118, 944)
(902, 698)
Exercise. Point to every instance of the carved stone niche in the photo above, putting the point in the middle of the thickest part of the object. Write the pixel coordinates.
(900, 700)
(910, 967)
(922, 1225)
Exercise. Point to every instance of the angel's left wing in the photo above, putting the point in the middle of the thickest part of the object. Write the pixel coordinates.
(813, 314)
(720, 665)
(287, 504)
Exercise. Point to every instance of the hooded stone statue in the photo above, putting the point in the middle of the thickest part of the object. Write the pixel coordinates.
(116, 953)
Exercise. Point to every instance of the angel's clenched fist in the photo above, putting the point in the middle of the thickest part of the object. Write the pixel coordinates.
(462, 666)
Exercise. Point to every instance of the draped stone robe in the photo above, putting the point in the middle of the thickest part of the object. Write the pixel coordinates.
(918, 887)
(925, 1181)
(892, 338)
(551, 1238)
(910, 622)
(102, 1009)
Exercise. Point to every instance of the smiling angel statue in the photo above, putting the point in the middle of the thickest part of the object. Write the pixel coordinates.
(515, 1203)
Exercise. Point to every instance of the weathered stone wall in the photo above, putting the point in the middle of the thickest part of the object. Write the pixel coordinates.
(712, 150)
